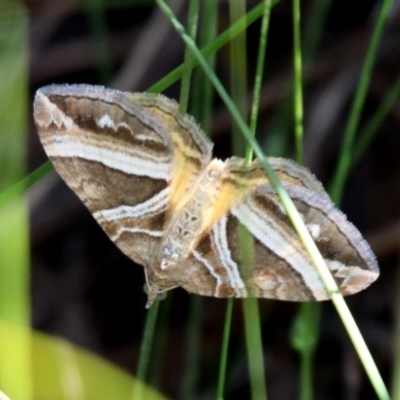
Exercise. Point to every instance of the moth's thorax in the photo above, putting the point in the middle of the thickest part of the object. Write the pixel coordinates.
(193, 218)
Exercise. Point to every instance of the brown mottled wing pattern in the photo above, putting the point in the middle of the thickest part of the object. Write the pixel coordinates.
(277, 265)
(119, 158)
(145, 172)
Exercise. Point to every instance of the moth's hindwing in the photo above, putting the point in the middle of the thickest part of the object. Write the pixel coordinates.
(278, 266)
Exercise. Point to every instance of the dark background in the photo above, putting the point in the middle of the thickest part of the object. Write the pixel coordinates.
(86, 291)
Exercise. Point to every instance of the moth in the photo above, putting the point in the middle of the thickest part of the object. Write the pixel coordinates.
(147, 175)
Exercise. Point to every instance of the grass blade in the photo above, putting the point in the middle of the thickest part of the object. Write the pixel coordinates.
(345, 159)
(15, 350)
(376, 120)
(297, 93)
(145, 350)
(295, 218)
(224, 350)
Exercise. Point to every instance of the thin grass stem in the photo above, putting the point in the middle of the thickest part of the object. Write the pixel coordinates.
(374, 122)
(224, 350)
(262, 48)
(203, 89)
(297, 92)
(193, 18)
(192, 354)
(158, 357)
(313, 29)
(346, 154)
(361, 347)
(97, 20)
(24, 184)
(294, 216)
(238, 71)
(304, 340)
(145, 350)
(250, 306)
(251, 315)
(202, 109)
(255, 352)
(396, 335)
(212, 47)
(191, 360)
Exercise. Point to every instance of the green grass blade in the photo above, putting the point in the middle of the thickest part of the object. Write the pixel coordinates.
(374, 122)
(251, 312)
(295, 218)
(344, 164)
(97, 19)
(341, 306)
(202, 110)
(212, 47)
(158, 358)
(259, 73)
(297, 93)
(15, 349)
(145, 350)
(25, 183)
(279, 136)
(224, 350)
(305, 328)
(345, 160)
(252, 324)
(304, 338)
(396, 337)
(313, 28)
(361, 347)
(193, 19)
(250, 306)
(238, 71)
(254, 349)
(192, 354)
(191, 359)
